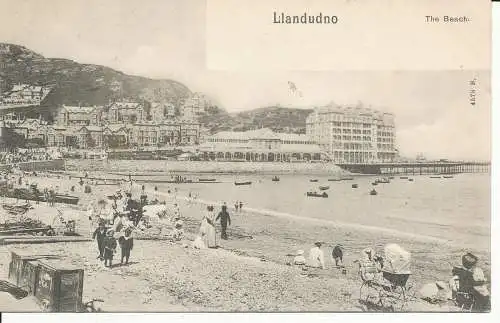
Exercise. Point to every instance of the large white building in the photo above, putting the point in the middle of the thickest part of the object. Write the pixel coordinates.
(260, 145)
(353, 134)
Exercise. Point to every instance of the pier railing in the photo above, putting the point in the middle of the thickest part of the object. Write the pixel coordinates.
(418, 168)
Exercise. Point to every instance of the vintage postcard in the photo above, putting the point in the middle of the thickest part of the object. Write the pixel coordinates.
(245, 156)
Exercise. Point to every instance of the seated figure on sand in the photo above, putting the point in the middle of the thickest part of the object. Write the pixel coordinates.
(198, 243)
(469, 285)
(370, 265)
(299, 259)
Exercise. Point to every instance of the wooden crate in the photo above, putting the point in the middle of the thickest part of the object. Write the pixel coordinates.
(17, 266)
(59, 287)
(29, 277)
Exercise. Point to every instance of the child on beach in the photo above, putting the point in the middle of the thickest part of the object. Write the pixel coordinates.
(100, 234)
(337, 255)
(126, 244)
(299, 258)
(109, 248)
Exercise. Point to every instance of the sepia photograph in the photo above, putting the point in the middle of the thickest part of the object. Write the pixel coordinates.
(142, 169)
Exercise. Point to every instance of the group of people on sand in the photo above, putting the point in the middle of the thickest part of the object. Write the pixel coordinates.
(107, 244)
(316, 257)
(207, 237)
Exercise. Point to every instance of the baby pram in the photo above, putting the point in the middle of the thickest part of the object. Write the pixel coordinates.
(384, 281)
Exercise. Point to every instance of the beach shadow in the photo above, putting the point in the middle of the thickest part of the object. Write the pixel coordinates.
(129, 264)
(367, 306)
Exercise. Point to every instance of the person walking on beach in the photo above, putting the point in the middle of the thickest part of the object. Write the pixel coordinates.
(337, 255)
(208, 227)
(100, 234)
(236, 206)
(109, 248)
(241, 206)
(156, 196)
(225, 220)
(316, 256)
(144, 196)
(126, 244)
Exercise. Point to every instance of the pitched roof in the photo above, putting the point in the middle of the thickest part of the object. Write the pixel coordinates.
(76, 109)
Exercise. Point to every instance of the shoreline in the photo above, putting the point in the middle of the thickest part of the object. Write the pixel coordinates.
(204, 167)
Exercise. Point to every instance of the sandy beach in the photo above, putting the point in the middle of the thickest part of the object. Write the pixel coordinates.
(248, 271)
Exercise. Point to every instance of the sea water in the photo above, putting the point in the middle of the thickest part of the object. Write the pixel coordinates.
(455, 209)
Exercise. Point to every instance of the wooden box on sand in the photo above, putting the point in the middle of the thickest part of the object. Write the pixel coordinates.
(57, 286)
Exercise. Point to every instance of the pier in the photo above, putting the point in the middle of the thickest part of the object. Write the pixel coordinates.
(418, 168)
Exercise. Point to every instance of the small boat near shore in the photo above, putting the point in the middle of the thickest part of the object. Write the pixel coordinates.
(32, 195)
(374, 183)
(448, 176)
(347, 178)
(324, 188)
(205, 180)
(403, 177)
(275, 179)
(410, 179)
(435, 176)
(243, 183)
(315, 194)
(334, 179)
(313, 180)
(373, 192)
(354, 185)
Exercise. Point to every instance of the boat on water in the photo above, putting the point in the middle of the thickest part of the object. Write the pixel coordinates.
(410, 179)
(391, 177)
(373, 192)
(242, 183)
(313, 180)
(315, 194)
(449, 176)
(435, 176)
(374, 183)
(383, 180)
(324, 188)
(334, 179)
(347, 178)
(403, 177)
(275, 179)
(206, 180)
(354, 185)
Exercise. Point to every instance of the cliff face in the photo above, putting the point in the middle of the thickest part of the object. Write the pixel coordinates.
(83, 84)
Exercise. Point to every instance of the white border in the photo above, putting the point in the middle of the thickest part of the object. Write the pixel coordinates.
(328, 317)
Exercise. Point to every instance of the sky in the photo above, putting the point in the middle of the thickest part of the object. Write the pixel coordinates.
(166, 39)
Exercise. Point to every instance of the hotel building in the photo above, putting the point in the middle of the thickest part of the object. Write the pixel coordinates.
(353, 134)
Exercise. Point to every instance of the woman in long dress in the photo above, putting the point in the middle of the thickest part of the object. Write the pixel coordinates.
(208, 226)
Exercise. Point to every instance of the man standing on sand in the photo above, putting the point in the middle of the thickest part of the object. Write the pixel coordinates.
(225, 219)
